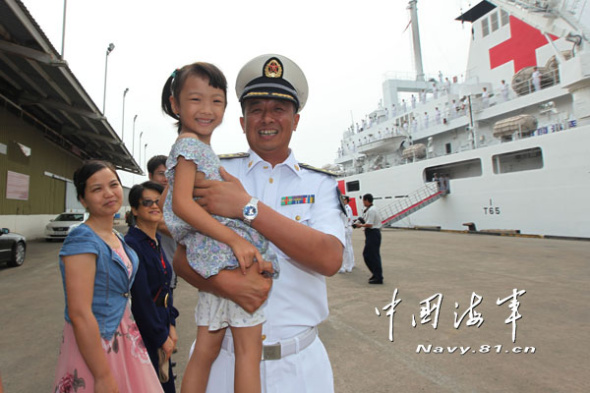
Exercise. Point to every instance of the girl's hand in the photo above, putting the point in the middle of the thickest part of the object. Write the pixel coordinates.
(266, 268)
(106, 384)
(249, 291)
(246, 254)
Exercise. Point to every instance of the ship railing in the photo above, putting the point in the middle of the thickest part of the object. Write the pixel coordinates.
(408, 76)
(410, 203)
(548, 76)
(535, 5)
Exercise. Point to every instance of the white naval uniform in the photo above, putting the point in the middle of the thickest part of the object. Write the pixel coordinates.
(348, 257)
(505, 91)
(537, 80)
(298, 298)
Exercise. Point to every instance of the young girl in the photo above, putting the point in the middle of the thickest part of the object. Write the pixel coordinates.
(195, 95)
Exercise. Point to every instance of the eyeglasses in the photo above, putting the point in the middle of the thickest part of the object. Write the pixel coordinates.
(149, 202)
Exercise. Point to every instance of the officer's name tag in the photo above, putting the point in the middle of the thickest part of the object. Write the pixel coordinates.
(297, 199)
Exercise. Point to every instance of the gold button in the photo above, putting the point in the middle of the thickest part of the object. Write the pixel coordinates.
(296, 166)
(298, 218)
(265, 167)
(249, 164)
(270, 180)
(263, 337)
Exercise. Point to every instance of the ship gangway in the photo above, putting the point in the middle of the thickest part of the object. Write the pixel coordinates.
(419, 199)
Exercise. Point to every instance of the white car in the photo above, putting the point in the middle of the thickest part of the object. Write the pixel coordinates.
(62, 225)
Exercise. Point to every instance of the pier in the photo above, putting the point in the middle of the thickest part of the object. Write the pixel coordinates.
(549, 352)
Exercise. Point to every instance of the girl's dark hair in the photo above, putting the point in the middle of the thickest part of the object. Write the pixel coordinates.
(137, 191)
(175, 82)
(88, 169)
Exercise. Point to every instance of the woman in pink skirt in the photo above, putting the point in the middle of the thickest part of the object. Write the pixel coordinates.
(102, 349)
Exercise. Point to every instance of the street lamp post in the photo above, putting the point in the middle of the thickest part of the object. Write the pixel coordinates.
(63, 30)
(123, 116)
(133, 143)
(106, 62)
(144, 153)
(140, 135)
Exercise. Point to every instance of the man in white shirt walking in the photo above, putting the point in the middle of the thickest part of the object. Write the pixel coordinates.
(371, 252)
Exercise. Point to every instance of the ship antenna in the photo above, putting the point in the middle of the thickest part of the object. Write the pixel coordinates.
(416, 40)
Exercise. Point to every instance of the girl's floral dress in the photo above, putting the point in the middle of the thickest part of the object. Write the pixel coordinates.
(206, 255)
(125, 351)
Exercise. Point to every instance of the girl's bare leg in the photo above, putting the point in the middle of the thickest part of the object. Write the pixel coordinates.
(196, 374)
(248, 352)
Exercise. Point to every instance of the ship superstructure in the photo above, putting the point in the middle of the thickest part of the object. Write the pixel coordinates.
(511, 135)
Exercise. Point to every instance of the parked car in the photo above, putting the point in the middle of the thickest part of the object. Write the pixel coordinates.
(60, 226)
(13, 247)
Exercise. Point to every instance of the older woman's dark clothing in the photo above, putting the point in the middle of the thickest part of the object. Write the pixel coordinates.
(151, 302)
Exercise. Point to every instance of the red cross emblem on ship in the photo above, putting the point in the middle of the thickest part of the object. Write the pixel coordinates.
(520, 47)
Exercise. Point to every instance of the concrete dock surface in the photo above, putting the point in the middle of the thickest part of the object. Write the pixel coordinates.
(431, 271)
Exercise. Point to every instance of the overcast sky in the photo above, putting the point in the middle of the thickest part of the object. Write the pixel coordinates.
(344, 47)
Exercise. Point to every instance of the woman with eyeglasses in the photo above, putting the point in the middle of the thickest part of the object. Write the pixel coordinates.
(152, 304)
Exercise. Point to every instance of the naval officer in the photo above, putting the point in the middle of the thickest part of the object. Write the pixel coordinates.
(297, 209)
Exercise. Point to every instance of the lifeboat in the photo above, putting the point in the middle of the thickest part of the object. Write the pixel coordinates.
(418, 150)
(523, 124)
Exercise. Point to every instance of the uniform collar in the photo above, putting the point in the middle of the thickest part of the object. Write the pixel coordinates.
(291, 163)
(141, 235)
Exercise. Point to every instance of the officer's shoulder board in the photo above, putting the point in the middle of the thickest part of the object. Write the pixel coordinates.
(312, 168)
(233, 155)
(329, 173)
(341, 200)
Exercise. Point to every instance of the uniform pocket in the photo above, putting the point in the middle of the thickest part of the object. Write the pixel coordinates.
(300, 213)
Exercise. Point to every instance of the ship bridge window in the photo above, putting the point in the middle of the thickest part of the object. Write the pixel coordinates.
(455, 170)
(353, 186)
(504, 19)
(494, 21)
(485, 27)
(517, 161)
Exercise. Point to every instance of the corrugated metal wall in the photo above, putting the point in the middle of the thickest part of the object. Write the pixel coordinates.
(47, 194)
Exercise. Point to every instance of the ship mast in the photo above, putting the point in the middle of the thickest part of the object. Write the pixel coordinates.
(416, 40)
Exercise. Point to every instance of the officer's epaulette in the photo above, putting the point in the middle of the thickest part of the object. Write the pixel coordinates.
(341, 200)
(312, 168)
(234, 155)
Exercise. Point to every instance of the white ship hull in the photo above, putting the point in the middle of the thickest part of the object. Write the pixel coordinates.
(552, 200)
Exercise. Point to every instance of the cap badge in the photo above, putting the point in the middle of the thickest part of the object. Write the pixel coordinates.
(273, 69)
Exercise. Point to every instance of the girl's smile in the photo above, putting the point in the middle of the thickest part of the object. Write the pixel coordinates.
(200, 107)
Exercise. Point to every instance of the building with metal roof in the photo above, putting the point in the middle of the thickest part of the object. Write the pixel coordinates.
(48, 126)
